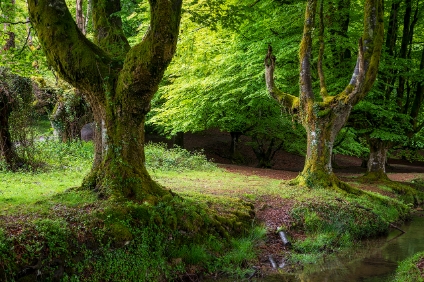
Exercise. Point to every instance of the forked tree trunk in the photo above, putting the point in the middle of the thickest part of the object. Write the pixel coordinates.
(118, 81)
(324, 119)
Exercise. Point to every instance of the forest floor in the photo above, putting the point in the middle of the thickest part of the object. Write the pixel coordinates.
(216, 145)
(274, 211)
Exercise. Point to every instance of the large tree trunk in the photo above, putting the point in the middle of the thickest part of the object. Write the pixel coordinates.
(376, 166)
(118, 81)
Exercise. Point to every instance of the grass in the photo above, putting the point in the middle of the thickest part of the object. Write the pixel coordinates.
(408, 271)
(42, 202)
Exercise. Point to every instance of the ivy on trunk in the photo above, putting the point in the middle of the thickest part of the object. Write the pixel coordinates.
(323, 118)
(117, 80)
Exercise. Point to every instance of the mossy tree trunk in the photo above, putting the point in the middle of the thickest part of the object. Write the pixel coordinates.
(117, 80)
(376, 166)
(323, 118)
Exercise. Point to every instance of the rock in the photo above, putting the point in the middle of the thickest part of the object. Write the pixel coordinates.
(87, 131)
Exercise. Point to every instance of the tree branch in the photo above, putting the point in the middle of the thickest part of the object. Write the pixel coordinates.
(306, 92)
(108, 32)
(80, 62)
(286, 100)
(148, 60)
(370, 46)
(323, 87)
(13, 23)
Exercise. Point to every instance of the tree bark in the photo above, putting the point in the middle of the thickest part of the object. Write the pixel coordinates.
(118, 82)
(376, 166)
(323, 120)
(7, 150)
(79, 16)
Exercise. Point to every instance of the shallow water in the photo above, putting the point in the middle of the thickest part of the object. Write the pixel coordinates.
(375, 261)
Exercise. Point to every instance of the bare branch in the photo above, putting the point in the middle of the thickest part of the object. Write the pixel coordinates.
(25, 22)
(286, 100)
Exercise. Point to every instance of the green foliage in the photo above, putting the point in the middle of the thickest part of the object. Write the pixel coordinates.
(72, 155)
(158, 157)
(55, 233)
(408, 271)
(26, 58)
(349, 143)
(6, 259)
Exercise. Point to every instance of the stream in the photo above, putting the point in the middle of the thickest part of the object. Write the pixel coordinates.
(375, 260)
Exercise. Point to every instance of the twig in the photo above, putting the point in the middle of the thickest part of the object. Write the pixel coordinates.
(25, 22)
(26, 41)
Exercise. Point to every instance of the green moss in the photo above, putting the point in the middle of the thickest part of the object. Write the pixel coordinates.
(324, 112)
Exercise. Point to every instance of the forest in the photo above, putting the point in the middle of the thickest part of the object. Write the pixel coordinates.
(211, 140)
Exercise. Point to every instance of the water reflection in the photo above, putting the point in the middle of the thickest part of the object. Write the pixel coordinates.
(376, 260)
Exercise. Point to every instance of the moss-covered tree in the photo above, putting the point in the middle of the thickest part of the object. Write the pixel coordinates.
(324, 115)
(15, 95)
(118, 81)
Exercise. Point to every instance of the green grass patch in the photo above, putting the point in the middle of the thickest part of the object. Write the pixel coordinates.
(408, 271)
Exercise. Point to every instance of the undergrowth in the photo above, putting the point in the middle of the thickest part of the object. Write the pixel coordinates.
(118, 241)
(159, 157)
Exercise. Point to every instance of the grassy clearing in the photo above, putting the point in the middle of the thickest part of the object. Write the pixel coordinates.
(95, 240)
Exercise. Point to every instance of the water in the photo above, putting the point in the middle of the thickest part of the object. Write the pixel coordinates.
(375, 261)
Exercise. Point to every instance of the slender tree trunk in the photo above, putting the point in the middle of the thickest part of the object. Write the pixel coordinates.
(418, 100)
(80, 16)
(178, 139)
(403, 50)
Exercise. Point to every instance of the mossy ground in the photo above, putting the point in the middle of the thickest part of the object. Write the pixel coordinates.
(207, 228)
(411, 269)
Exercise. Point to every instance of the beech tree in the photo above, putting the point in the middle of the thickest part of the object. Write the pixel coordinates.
(117, 80)
(324, 115)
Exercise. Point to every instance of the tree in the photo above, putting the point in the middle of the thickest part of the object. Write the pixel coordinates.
(15, 95)
(117, 80)
(323, 118)
(390, 116)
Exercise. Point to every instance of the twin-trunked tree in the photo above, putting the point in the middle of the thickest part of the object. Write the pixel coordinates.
(324, 115)
(118, 81)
